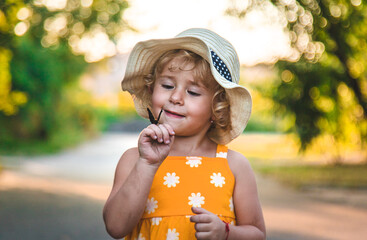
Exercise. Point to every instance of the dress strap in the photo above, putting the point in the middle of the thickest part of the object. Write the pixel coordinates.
(222, 151)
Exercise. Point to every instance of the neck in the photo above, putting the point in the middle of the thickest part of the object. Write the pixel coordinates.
(193, 146)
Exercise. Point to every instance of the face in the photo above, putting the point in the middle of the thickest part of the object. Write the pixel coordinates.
(186, 103)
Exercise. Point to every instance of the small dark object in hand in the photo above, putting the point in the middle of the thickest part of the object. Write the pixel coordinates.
(151, 117)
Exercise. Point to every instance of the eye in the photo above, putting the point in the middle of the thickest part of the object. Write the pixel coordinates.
(195, 94)
(167, 86)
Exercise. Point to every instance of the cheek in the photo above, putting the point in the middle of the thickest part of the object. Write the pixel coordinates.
(157, 99)
(203, 109)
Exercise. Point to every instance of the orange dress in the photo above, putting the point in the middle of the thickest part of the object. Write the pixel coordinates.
(179, 184)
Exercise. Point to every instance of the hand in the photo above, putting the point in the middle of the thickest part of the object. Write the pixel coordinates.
(208, 225)
(155, 142)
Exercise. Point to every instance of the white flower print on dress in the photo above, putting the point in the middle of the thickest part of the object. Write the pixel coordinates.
(231, 204)
(140, 237)
(172, 234)
(156, 220)
(171, 180)
(196, 200)
(151, 205)
(193, 161)
(217, 180)
(221, 155)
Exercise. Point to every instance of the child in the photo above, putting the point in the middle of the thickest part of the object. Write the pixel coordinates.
(182, 182)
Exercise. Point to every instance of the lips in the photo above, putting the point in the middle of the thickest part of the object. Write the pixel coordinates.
(173, 114)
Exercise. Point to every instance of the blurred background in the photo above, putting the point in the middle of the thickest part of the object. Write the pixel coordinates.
(64, 120)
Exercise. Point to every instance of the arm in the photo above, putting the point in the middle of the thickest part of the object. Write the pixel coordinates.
(250, 222)
(133, 179)
(249, 217)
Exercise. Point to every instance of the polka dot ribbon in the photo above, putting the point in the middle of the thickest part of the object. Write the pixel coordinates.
(220, 66)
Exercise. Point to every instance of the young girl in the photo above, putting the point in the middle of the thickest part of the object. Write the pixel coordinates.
(182, 182)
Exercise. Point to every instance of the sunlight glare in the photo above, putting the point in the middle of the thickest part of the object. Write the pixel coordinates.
(86, 3)
(258, 37)
(52, 5)
(78, 28)
(95, 46)
(356, 3)
(55, 24)
(335, 11)
(23, 13)
(21, 28)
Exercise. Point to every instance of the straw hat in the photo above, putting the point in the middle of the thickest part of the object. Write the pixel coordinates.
(224, 65)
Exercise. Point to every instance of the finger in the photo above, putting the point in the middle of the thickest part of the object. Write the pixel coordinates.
(202, 235)
(199, 210)
(170, 129)
(165, 134)
(201, 218)
(171, 132)
(147, 132)
(202, 227)
(157, 131)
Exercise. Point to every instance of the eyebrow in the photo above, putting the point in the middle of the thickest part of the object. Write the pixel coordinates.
(196, 83)
(165, 76)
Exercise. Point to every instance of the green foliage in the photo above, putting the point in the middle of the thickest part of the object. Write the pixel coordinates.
(326, 89)
(10, 100)
(255, 125)
(108, 117)
(306, 96)
(43, 75)
(39, 68)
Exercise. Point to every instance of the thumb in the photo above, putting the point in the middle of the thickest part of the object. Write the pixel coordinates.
(199, 210)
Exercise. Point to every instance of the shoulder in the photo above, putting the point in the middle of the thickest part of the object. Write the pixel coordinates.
(238, 163)
(244, 175)
(130, 152)
(128, 158)
(125, 165)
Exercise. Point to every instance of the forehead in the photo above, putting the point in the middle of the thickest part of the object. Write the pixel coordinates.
(199, 70)
(188, 76)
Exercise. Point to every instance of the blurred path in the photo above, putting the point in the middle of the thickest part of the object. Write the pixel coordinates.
(299, 215)
(61, 197)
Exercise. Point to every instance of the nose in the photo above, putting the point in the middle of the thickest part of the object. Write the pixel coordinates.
(176, 97)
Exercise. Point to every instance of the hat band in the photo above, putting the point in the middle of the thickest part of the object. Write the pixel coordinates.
(220, 66)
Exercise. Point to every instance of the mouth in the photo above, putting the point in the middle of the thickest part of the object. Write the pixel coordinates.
(173, 114)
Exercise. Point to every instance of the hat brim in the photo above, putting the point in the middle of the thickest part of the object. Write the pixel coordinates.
(141, 63)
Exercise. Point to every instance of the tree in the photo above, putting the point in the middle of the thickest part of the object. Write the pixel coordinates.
(329, 78)
(9, 99)
(323, 83)
(44, 47)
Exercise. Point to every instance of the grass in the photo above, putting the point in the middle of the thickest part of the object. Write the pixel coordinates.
(308, 176)
(277, 156)
(63, 140)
